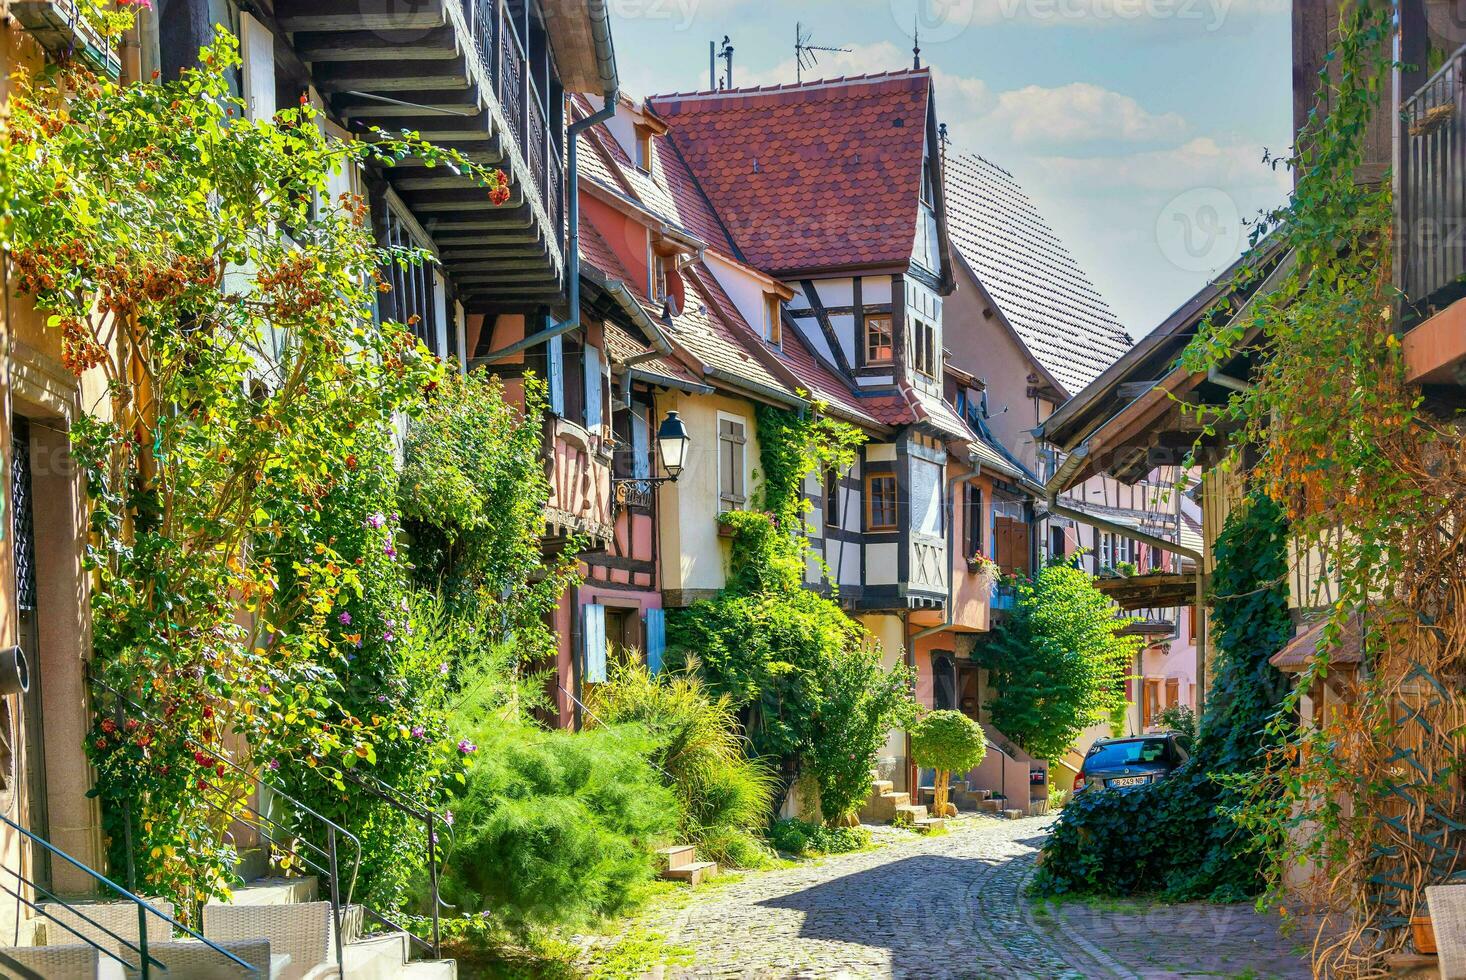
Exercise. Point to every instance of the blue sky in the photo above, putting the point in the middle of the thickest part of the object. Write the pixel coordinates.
(1138, 126)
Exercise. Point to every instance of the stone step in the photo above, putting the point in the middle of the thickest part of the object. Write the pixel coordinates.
(275, 891)
(676, 856)
(380, 956)
(879, 786)
(693, 874)
(881, 808)
(909, 814)
(929, 824)
(1013, 814)
(976, 794)
(989, 806)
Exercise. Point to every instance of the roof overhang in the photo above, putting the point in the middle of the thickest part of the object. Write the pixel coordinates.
(580, 37)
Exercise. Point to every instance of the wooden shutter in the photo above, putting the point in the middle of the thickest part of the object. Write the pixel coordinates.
(592, 388)
(594, 625)
(641, 450)
(555, 372)
(1173, 692)
(656, 638)
(257, 51)
(731, 440)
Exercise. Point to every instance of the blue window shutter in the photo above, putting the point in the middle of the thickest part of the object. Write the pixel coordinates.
(555, 359)
(656, 638)
(595, 643)
(592, 388)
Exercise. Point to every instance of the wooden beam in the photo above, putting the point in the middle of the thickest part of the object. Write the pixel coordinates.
(827, 328)
(443, 75)
(353, 15)
(408, 45)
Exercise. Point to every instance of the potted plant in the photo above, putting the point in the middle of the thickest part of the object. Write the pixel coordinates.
(947, 741)
(981, 564)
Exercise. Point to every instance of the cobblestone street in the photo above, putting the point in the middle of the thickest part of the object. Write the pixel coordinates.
(953, 906)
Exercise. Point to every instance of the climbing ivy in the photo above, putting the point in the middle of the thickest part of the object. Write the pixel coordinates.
(806, 678)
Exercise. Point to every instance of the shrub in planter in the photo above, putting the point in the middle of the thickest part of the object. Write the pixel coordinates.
(947, 741)
(557, 827)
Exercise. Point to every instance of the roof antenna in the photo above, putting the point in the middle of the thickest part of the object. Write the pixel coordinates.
(916, 47)
(943, 139)
(806, 55)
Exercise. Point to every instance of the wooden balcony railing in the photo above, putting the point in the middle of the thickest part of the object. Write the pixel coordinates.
(503, 55)
(1431, 200)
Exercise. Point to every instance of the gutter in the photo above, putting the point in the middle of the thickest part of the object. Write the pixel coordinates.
(572, 185)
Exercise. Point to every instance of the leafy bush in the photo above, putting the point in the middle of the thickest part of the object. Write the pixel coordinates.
(800, 837)
(947, 741)
(1059, 664)
(1178, 718)
(555, 827)
(1177, 836)
(699, 747)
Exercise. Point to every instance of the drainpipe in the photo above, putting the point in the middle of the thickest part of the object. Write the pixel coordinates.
(952, 485)
(572, 184)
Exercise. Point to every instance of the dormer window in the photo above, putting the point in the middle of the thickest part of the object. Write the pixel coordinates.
(880, 340)
(643, 149)
(773, 319)
(924, 348)
(661, 267)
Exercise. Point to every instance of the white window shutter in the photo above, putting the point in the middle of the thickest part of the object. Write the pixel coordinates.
(656, 638)
(555, 362)
(592, 388)
(257, 51)
(595, 643)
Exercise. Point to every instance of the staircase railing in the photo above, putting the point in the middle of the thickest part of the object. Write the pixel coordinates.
(323, 860)
(145, 963)
(431, 819)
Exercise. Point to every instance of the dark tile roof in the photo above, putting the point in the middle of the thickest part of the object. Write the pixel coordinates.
(825, 174)
(1052, 305)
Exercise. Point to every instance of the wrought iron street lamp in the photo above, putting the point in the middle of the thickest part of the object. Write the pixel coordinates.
(672, 443)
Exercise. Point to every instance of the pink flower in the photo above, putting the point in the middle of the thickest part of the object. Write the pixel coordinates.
(443, 668)
(419, 732)
(344, 619)
(466, 747)
(376, 521)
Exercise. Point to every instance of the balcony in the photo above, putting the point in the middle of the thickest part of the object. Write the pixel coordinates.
(1432, 193)
(474, 75)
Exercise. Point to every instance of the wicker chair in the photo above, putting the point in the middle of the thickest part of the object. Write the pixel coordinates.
(70, 962)
(93, 921)
(304, 931)
(192, 960)
(1447, 905)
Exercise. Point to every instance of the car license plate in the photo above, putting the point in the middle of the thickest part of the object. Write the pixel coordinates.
(1127, 781)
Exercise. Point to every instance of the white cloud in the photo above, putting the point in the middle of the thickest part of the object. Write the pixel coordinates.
(1200, 162)
(1078, 113)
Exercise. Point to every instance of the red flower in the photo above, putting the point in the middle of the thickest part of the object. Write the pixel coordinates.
(133, 724)
(220, 769)
(202, 785)
(109, 726)
(499, 195)
(351, 461)
(202, 759)
(208, 712)
(101, 743)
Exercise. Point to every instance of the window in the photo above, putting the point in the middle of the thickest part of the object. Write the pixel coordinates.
(1107, 551)
(924, 348)
(880, 502)
(926, 497)
(972, 520)
(1057, 547)
(644, 150)
(658, 266)
(773, 310)
(880, 344)
(832, 498)
(732, 462)
(1010, 536)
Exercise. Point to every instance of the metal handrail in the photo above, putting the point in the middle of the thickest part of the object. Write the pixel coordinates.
(326, 863)
(146, 961)
(403, 802)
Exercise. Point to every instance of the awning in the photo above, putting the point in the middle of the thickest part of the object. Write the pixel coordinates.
(1303, 648)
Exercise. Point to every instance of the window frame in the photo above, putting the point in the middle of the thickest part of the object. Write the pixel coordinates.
(643, 146)
(871, 479)
(923, 348)
(972, 522)
(865, 335)
(773, 319)
(737, 497)
(832, 499)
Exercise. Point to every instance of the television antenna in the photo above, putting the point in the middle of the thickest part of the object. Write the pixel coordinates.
(806, 55)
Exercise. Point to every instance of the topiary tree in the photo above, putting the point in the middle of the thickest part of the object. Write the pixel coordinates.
(947, 741)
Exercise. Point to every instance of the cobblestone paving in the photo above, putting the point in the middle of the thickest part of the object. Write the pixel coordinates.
(952, 906)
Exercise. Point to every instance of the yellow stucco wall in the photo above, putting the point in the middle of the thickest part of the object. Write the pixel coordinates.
(694, 557)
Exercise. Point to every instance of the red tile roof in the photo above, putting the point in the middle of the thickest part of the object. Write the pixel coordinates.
(821, 175)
